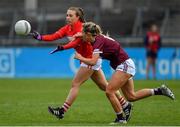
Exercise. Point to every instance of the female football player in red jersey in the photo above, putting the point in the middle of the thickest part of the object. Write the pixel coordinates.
(107, 48)
(152, 45)
(73, 29)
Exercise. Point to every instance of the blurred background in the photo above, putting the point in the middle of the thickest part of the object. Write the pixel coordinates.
(125, 20)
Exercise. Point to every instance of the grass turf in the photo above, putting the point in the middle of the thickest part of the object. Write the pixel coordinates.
(23, 102)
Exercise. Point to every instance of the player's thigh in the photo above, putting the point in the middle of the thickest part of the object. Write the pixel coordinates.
(149, 60)
(99, 78)
(82, 75)
(119, 78)
(153, 61)
(128, 88)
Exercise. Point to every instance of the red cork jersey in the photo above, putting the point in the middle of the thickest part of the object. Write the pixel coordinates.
(85, 49)
(155, 42)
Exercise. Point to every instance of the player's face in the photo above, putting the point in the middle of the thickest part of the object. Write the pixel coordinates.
(154, 28)
(87, 37)
(71, 17)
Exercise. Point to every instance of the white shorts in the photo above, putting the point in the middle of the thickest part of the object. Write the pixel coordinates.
(128, 66)
(95, 67)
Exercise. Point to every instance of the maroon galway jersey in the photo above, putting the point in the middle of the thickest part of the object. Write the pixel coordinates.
(109, 49)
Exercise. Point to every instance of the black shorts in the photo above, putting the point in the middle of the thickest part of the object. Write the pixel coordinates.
(151, 54)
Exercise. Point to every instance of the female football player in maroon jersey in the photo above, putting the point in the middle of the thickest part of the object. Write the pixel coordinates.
(152, 44)
(73, 29)
(108, 48)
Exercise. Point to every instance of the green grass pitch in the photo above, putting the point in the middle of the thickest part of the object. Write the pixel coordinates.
(24, 102)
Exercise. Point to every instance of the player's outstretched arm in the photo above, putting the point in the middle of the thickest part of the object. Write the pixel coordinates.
(57, 49)
(69, 45)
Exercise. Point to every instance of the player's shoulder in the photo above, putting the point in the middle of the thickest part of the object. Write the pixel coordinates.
(67, 26)
(100, 37)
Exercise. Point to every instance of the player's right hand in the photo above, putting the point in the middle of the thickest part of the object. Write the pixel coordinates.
(36, 35)
(77, 56)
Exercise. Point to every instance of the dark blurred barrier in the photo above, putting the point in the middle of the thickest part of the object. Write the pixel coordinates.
(127, 21)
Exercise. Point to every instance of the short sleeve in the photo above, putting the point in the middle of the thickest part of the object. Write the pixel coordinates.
(98, 46)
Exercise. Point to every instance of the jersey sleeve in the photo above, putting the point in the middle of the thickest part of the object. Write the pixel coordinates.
(57, 35)
(98, 46)
(72, 44)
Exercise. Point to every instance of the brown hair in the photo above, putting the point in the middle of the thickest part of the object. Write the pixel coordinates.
(92, 28)
(79, 12)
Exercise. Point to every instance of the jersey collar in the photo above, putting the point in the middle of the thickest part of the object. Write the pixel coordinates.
(76, 25)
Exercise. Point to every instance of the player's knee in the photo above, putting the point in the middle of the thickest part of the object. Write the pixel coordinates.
(131, 98)
(75, 84)
(109, 91)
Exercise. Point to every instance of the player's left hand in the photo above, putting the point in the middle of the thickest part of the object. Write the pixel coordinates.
(57, 49)
(36, 35)
(77, 56)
